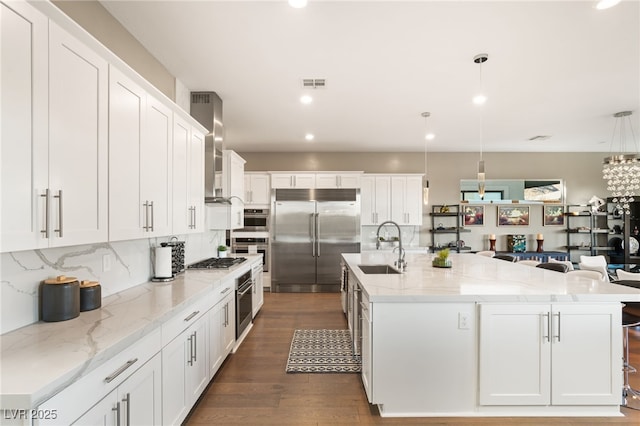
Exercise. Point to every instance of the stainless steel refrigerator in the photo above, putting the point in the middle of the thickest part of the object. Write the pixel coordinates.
(310, 228)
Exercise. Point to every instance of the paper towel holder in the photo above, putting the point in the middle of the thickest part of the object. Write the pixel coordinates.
(163, 279)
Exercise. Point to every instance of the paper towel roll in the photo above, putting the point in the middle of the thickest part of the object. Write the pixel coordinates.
(163, 262)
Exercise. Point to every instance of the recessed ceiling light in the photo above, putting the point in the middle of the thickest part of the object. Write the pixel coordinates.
(479, 99)
(306, 99)
(606, 4)
(298, 4)
(429, 136)
(308, 137)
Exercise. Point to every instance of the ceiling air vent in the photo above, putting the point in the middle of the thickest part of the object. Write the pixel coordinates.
(200, 98)
(314, 83)
(540, 138)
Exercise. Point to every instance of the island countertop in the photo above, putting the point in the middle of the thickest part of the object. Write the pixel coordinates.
(475, 278)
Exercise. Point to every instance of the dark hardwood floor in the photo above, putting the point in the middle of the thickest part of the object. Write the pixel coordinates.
(252, 387)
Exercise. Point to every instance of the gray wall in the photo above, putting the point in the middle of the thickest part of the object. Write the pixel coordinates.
(103, 26)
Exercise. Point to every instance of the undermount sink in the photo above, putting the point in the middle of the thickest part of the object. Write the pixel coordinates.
(378, 269)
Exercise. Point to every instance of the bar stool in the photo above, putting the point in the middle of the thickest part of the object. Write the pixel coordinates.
(630, 396)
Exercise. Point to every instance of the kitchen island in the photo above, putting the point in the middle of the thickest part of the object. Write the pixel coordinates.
(487, 338)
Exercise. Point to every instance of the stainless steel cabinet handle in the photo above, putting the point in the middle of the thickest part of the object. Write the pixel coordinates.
(59, 197)
(127, 400)
(151, 208)
(195, 346)
(225, 290)
(558, 327)
(548, 327)
(312, 230)
(120, 370)
(117, 410)
(190, 355)
(195, 218)
(46, 230)
(146, 216)
(190, 317)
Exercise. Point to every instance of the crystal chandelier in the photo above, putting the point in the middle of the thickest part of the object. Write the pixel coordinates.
(622, 170)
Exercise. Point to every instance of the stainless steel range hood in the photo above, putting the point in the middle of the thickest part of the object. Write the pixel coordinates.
(206, 107)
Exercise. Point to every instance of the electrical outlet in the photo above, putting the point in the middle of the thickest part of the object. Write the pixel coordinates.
(463, 320)
(106, 262)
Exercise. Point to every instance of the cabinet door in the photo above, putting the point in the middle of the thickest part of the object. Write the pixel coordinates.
(587, 338)
(126, 122)
(196, 180)
(325, 180)
(367, 201)
(104, 413)
(217, 320)
(258, 189)
(365, 353)
(182, 211)
(140, 395)
(155, 167)
(24, 130)
(375, 199)
(257, 299)
(197, 376)
(78, 156)
(349, 180)
(515, 355)
(229, 332)
(175, 405)
(279, 180)
(406, 200)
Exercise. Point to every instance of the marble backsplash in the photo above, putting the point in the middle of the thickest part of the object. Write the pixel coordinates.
(116, 265)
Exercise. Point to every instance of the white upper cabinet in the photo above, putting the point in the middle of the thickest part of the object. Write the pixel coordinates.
(293, 180)
(23, 133)
(196, 180)
(406, 200)
(375, 199)
(338, 180)
(257, 189)
(78, 94)
(140, 141)
(225, 216)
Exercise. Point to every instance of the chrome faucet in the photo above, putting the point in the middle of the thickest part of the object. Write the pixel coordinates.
(400, 263)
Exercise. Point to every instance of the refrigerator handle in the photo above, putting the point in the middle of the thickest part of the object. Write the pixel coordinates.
(312, 228)
(318, 234)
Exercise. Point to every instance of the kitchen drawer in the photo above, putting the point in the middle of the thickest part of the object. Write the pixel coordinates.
(227, 287)
(74, 400)
(187, 316)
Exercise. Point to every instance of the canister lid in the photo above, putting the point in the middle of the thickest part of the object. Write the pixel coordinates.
(60, 279)
(86, 283)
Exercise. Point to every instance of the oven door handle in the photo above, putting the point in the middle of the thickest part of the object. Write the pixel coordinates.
(245, 290)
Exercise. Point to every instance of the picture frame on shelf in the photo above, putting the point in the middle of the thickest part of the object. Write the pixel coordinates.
(473, 215)
(553, 215)
(513, 215)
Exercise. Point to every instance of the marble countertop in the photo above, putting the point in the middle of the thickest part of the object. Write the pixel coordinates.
(475, 278)
(39, 360)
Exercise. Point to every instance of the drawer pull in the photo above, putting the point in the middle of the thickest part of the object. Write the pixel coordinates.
(117, 410)
(120, 370)
(225, 290)
(190, 317)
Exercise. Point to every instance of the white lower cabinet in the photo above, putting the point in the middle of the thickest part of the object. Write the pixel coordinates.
(136, 402)
(184, 369)
(222, 328)
(365, 351)
(257, 298)
(540, 354)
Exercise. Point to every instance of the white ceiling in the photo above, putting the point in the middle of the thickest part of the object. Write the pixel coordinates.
(557, 68)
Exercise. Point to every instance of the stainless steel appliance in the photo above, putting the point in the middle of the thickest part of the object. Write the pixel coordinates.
(242, 244)
(311, 227)
(206, 107)
(217, 263)
(244, 303)
(256, 220)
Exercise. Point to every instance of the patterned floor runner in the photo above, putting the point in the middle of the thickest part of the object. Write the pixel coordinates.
(322, 351)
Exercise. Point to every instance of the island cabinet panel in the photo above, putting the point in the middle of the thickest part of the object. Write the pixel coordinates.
(558, 354)
(416, 345)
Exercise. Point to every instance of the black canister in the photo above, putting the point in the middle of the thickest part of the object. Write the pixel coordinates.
(60, 299)
(90, 295)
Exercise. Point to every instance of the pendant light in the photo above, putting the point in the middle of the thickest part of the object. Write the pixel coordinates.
(480, 100)
(427, 137)
(622, 170)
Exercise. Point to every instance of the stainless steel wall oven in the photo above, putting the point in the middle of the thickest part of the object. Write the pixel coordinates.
(244, 304)
(240, 245)
(256, 220)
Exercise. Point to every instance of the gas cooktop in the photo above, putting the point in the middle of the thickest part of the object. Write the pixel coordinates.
(217, 263)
